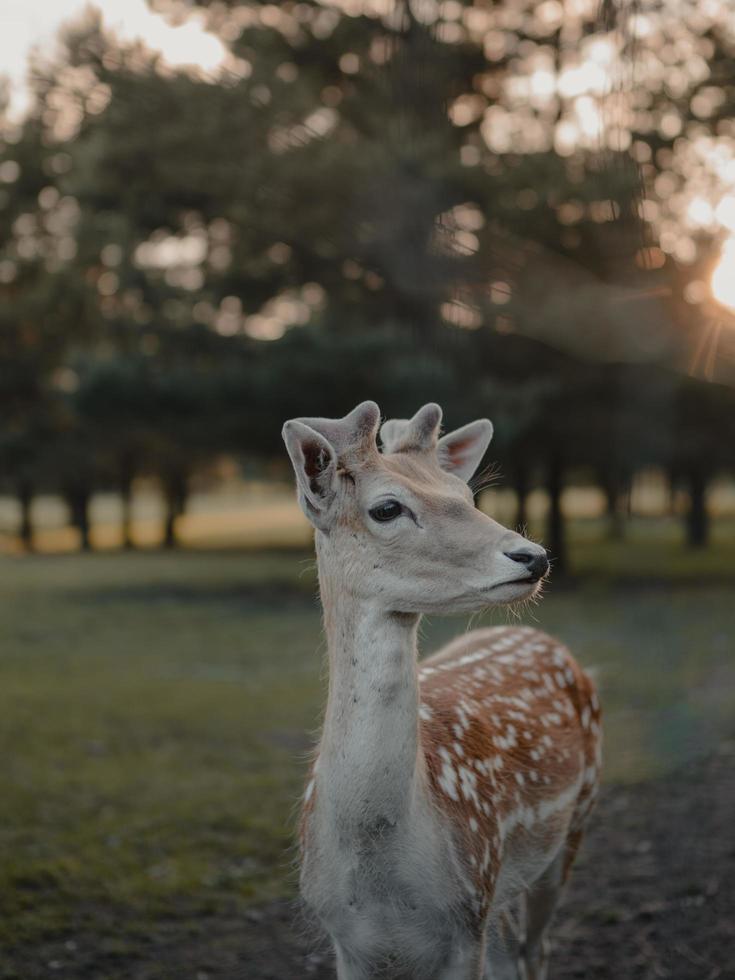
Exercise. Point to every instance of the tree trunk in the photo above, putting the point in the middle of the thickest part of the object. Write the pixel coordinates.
(169, 533)
(521, 487)
(697, 516)
(78, 500)
(673, 487)
(177, 493)
(615, 508)
(126, 495)
(555, 533)
(25, 497)
(84, 525)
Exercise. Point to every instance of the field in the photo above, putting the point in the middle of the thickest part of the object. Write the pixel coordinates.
(156, 712)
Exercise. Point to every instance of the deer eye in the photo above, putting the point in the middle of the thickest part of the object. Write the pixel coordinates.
(387, 511)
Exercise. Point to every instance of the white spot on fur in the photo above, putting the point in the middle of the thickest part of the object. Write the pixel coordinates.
(468, 783)
(448, 776)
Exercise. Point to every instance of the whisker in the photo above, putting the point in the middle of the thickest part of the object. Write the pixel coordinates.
(485, 478)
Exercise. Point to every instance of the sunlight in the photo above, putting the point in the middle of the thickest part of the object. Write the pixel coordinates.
(181, 45)
(723, 277)
(725, 212)
(30, 23)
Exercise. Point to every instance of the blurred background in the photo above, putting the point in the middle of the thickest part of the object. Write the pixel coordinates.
(217, 216)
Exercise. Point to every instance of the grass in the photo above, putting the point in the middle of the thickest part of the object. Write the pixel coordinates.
(153, 718)
(156, 712)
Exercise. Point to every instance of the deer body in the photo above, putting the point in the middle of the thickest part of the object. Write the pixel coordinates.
(450, 794)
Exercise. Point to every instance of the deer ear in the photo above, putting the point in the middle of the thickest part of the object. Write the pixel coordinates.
(460, 452)
(315, 465)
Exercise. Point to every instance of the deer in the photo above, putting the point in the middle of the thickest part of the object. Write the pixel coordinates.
(448, 796)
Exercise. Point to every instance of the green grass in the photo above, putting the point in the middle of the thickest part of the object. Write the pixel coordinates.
(153, 721)
(156, 711)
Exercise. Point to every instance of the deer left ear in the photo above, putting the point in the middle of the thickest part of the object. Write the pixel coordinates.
(315, 465)
(460, 452)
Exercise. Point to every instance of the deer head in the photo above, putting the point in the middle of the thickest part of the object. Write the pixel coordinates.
(399, 527)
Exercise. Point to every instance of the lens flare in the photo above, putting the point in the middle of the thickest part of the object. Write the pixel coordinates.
(723, 276)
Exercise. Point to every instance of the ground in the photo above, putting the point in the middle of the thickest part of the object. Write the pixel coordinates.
(156, 712)
(651, 895)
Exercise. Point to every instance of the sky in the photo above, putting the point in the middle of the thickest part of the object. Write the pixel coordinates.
(25, 24)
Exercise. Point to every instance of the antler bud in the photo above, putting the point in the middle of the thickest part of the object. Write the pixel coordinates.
(417, 434)
(353, 435)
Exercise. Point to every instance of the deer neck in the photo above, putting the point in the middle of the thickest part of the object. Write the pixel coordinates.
(369, 760)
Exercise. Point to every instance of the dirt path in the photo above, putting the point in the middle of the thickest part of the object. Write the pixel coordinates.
(652, 896)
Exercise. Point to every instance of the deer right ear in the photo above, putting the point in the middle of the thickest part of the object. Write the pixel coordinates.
(315, 465)
(460, 452)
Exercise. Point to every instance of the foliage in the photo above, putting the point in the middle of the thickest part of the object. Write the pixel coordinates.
(356, 206)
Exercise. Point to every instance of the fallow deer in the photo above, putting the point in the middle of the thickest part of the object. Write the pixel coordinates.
(448, 796)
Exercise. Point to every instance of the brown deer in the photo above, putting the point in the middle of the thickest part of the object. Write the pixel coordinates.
(448, 797)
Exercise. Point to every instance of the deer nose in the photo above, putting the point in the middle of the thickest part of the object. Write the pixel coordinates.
(535, 561)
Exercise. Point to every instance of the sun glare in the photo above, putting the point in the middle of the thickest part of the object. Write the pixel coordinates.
(723, 277)
(34, 23)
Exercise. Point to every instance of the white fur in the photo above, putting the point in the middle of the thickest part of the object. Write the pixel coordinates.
(380, 867)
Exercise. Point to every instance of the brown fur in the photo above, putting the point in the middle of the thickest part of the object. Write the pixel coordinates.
(520, 721)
